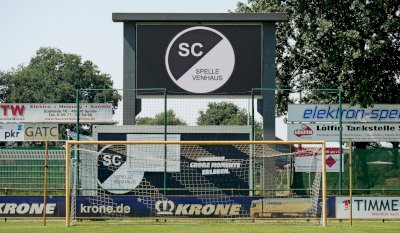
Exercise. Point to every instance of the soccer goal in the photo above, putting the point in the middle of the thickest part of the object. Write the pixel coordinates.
(194, 179)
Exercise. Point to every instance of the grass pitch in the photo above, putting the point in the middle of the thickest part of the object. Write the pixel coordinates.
(197, 227)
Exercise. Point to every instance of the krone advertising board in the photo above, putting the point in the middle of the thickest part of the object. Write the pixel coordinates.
(330, 132)
(330, 113)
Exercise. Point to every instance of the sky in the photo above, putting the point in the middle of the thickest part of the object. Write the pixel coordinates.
(82, 27)
(85, 28)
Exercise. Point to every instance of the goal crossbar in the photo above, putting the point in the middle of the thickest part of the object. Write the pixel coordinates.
(70, 144)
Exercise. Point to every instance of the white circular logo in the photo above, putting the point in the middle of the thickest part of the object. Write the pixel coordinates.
(200, 59)
(114, 174)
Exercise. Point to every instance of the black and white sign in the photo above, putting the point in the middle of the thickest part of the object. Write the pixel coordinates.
(200, 59)
(114, 174)
(193, 59)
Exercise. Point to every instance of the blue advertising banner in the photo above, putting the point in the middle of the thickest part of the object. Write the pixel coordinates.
(31, 206)
(144, 206)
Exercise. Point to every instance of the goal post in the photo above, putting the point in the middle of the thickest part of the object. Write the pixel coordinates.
(216, 174)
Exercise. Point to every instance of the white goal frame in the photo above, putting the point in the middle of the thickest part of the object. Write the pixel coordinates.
(69, 145)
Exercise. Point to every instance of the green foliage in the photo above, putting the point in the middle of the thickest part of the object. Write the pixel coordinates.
(53, 77)
(158, 119)
(226, 113)
(223, 113)
(351, 45)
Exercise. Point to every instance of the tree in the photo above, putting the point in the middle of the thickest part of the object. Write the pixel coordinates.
(158, 119)
(226, 113)
(53, 77)
(351, 45)
(4, 83)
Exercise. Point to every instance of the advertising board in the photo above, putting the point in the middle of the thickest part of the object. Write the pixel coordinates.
(41, 131)
(384, 132)
(368, 207)
(11, 132)
(304, 161)
(55, 113)
(378, 113)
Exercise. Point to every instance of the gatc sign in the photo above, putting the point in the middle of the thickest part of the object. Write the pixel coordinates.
(41, 131)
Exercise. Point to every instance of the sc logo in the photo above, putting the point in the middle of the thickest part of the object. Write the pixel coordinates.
(114, 160)
(184, 50)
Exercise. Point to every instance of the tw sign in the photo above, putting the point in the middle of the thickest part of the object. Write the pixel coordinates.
(15, 110)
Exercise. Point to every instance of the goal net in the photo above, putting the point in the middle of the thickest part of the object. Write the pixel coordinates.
(202, 179)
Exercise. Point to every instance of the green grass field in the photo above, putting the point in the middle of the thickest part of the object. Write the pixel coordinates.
(198, 227)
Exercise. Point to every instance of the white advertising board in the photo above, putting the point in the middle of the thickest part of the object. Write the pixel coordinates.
(330, 113)
(12, 132)
(357, 132)
(150, 157)
(304, 161)
(368, 207)
(55, 113)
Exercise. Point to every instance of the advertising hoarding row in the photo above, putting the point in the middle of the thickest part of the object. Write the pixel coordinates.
(167, 206)
(134, 206)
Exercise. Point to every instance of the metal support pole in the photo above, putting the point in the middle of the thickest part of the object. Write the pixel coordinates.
(165, 139)
(46, 168)
(253, 137)
(67, 188)
(351, 180)
(340, 143)
(324, 186)
(77, 180)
